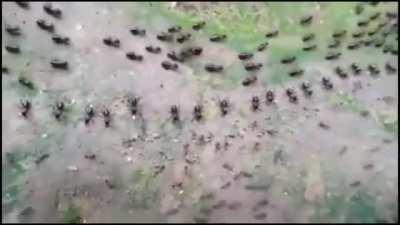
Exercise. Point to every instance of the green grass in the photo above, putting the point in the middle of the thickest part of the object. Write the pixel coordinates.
(72, 215)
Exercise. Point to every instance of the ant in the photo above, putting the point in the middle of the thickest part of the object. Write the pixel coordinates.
(56, 13)
(60, 40)
(89, 113)
(197, 112)
(252, 66)
(133, 56)
(270, 96)
(255, 103)
(59, 64)
(25, 107)
(167, 65)
(327, 83)
(218, 37)
(213, 68)
(44, 25)
(224, 104)
(133, 104)
(107, 117)
(174, 113)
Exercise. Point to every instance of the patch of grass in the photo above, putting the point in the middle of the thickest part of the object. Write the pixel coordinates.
(72, 215)
(145, 190)
(347, 101)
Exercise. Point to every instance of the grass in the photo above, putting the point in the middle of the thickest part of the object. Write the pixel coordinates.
(145, 189)
(72, 215)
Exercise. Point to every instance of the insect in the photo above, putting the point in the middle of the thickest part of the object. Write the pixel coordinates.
(44, 25)
(270, 96)
(5, 70)
(13, 30)
(197, 112)
(306, 87)
(167, 65)
(387, 48)
(218, 37)
(363, 23)
(55, 12)
(163, 36)
(24, 5)
(339, 71)
(250, 66)
(89, 113)
(359, 8)
(183, 37)
(224, 104)
(245, 56)
(373, 69)
(174, 57)
(255, 103)
(391, 15)
(25, 107)
(13, 49)
(310, 47)
(358, 34)
(339, 34)
(152, 49)
(375, 16)
(174, 113)
(60, 40)
(262, 46)
(308, 37)
(292, 95)
(107, 117)
(195, 50)
(213, 68)
(133, 56)
(113, 42)
(138, 32)
(174, 29)
(368, 42)
(356, 68)
(133, 104)
(59, 64)
(306, 20)
(323, 125)
(272, 34)
(379, 42)
(333, 55)
(58, 109)
(296, 72)
(288, 60)
(249, 80)
(326, 82)
(334, 44)
(372, 32)
(25, 82)
(390, 68)
(199, 25)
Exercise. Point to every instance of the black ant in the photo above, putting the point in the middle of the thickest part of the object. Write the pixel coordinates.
(196, 50)
(133, 56)
(175, 29)
(13, 30)
(335, 43)
(25, 82)
(24, 5)
(306, 87)
(296, 72)
(245, 56)
(174, 113)
(373, 69)
(390, 68)
(339, 71)
(359, 9)
(224, 104)
(358, 34)
(167, 65)
(198, 25)
(308, 37)
(89, 113)
(255, 103)
(152, 49)
(270, 96)
(48, 8)
(289, 59)
(356, 68)
(379, 42)
(387, 48)
(197, 112)
(58, 110)
(333, 55)
(183, 37)
(375, 16)
(174, 57)
(362, 23)
(368, 42)
(163, 36)
(133, 105)
(354, 45)
(250, 66)
(13, 49)
(339, 34)
(107, 117)
(372, 32)
(113, 42)
(60, 40)
(25, 107)
(306, 20)
(138, 32)
(262, 46)
(44, 25)
(272, 34)
(310, 47)
(59, 64)
(292, 95)
(212, 68)
(249, 80)
(5, 70)
(327, 83)
(218, 37)
(391, 15)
